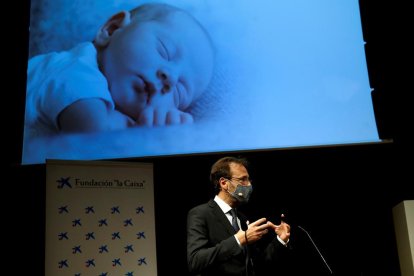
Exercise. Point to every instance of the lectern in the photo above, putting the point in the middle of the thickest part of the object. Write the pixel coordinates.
(403, 214)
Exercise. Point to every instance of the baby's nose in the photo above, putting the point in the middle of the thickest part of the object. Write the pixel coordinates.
(167, 80)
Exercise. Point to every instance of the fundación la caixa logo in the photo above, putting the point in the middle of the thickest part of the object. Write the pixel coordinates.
(63, 182)
(77, 182)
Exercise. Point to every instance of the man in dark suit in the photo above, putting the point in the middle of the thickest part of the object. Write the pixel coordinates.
(219, 243)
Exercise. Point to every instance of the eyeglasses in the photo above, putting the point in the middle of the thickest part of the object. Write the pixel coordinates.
(244, 180)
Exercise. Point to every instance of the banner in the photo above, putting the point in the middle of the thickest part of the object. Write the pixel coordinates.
(100, 219)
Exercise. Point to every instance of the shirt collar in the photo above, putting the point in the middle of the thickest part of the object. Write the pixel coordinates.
(223, 205)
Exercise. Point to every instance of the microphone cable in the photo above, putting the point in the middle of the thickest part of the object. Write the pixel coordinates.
(314, 245)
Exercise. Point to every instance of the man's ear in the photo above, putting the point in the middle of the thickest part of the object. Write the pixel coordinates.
(114, 23)
(222, 182)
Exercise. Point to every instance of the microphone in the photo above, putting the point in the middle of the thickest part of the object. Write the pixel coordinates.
(320, 254)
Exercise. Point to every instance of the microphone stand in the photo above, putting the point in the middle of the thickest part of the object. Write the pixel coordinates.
(320, 254)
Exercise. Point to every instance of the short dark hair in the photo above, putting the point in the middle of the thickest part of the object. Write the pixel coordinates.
(221, 168)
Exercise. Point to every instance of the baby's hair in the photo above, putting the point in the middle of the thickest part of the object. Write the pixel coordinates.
(161, 11)
(153, 11)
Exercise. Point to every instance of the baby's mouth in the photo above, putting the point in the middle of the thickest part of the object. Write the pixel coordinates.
(146, 87)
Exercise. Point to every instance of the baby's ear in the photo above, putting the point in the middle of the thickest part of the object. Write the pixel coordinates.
(114, 23)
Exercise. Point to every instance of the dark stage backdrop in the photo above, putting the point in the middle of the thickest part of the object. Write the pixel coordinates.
(333, 192)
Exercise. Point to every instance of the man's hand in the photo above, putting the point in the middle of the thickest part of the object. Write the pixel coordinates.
(282, 230)
(254, 232)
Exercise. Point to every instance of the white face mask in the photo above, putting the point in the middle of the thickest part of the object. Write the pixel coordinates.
(242, 193)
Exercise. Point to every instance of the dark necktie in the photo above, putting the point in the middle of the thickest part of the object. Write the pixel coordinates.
(234, 220)
(236, 228)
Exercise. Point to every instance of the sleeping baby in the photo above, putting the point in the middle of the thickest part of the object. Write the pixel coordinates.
(141, 69)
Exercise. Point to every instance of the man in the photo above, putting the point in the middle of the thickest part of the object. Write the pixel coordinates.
(217, 243)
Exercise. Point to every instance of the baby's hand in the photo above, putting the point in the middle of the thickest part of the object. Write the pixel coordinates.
(151, 116)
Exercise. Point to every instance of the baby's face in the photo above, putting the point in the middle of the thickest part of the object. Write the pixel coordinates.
(165, 64)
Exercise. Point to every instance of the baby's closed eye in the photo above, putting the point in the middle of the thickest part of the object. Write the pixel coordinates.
(163, 50)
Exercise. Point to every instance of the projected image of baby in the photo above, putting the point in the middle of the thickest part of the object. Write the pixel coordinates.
(145, 67)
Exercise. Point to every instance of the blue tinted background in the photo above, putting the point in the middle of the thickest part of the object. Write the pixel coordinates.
(288, 73)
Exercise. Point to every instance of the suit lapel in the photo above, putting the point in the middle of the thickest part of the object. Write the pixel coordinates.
(221, 217)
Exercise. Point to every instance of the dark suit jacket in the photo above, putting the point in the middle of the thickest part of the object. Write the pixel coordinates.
(213, 250)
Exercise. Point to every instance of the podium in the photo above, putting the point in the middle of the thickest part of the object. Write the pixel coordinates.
(403, 215)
